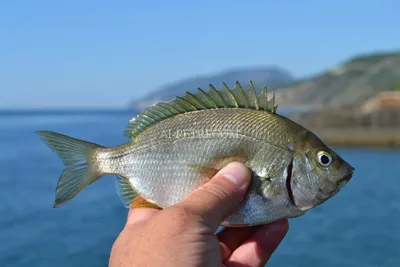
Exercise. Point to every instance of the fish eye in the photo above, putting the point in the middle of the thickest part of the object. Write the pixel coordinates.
(324, 158)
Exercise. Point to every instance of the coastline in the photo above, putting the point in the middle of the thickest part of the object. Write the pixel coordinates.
(355, 126)
(361, 138)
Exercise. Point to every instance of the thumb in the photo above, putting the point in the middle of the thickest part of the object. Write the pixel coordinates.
(221, 196)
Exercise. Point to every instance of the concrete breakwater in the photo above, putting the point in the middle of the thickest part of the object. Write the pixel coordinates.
(389, 138)
(351, 127)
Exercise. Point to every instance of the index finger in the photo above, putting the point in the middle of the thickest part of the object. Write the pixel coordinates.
(256, 251)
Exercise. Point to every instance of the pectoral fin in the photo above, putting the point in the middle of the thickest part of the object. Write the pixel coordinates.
(211, 170)
(204, 170)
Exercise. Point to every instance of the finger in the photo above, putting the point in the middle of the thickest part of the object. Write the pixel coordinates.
(219, 197)
(257, 250)
(139, 215)
(231, 238)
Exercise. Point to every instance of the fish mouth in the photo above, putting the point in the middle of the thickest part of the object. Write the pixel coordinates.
(344, 180)
(339, 184)
(347, 177)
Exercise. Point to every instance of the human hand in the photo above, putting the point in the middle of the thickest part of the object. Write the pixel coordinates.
(184, 234)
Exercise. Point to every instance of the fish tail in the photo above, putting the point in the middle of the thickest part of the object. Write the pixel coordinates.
(77, 156)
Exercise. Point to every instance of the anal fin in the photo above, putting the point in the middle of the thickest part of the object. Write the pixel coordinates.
(140, 202)
(129, 197)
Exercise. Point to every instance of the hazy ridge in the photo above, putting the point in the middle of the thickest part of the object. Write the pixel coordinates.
(273, 77)
(351, 82)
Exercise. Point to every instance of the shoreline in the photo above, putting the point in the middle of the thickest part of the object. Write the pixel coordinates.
(363, 138)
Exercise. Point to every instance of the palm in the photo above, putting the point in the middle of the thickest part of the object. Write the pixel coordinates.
(197, 245)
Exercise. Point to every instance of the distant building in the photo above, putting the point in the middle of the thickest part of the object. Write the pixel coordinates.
(384, 100)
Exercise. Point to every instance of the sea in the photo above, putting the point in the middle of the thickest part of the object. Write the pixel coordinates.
(360, 226)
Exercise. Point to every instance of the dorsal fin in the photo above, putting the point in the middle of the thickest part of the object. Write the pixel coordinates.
(226, 97)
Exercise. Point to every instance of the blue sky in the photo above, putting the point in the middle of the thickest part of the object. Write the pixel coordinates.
(104, 53)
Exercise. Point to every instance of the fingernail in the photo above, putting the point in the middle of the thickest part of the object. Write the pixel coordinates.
(237, 173)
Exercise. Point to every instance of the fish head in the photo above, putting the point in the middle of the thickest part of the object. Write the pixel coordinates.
(318, 172)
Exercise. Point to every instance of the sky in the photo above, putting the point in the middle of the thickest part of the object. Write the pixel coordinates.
(104, 54)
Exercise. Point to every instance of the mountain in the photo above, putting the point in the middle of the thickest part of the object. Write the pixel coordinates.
(349, 83)
(272, 77)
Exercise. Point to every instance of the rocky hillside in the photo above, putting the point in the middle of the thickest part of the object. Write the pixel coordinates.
(273, 77)
(350, 83)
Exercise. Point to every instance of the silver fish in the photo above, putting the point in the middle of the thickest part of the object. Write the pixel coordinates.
(176, 147)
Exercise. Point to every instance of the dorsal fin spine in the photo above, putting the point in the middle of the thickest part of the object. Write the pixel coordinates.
(218, 94)
(274, 107)
(273, 100)
(230, 93)
(214, 99)
(197, 100)
(147, 118)
(253, 91)
(165, 111)
(160, 111)
(169, 107)
(265, 98)
(246, 100)
(154, 112)
(178, 106)
(207, 97)
(186, 103)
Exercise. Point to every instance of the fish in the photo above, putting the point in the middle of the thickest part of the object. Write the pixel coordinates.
(176, 146)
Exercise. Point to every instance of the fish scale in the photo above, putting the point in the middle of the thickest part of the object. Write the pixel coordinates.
(142, 176)
(176, 147)
(260, 125)
(152, 146)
